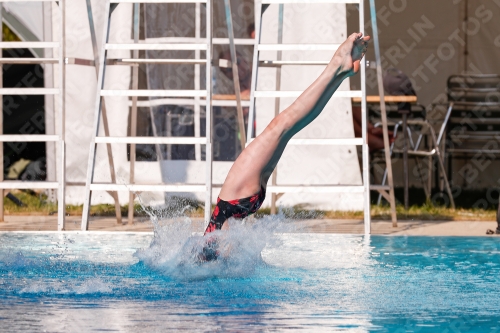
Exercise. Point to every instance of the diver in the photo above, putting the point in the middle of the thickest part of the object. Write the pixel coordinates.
(244, 189)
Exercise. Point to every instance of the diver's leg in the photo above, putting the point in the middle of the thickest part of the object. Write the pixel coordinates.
(252, 168)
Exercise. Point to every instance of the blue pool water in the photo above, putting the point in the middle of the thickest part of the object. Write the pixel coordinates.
(271, 281)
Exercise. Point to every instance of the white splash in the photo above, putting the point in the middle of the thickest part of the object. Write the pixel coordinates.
(176, 252)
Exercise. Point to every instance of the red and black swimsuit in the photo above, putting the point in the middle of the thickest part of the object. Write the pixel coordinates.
(239, 208)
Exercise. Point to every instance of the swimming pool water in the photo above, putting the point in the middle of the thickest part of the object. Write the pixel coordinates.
(306, 282)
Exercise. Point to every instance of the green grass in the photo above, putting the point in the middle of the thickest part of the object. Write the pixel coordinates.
(429, 212)
(38, 205)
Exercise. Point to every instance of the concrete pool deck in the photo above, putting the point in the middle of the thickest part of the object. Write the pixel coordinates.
(410, 228)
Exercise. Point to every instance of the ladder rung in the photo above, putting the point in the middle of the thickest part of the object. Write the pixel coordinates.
(327, 142)
(28, 45)
(156, 46)
(202, 188)
(307, 1)
(158, 1)
(13, 184)
(218, 41)
(29, 138)
(129, 62)
(185, 101)
(237, 41)
(148, 187)
(155, 93)
(298, 47)
(29, 91)
(20, 61)
(278, 63)
(28, 0)
(315, 189)
(274, 93)
(166, 101)
(151, 140)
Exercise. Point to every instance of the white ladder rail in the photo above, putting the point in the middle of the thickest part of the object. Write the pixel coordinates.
(364, 130)
(197, 84)
(133, 116)
(57, 92)
(105, 124)
(102, 62)
(274, 176)
(97, 115)
(236, 79)
(260, 6)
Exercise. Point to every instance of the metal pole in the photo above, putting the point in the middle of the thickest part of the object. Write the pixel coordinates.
(385, 132)
(133, 116)
(236, 78)
(255, 61)
(50, 127)
(364, 128)
(105, 124)
(208, 112)
(197, 83)
(97, 117)
(274, 176)
(62, 120)
(441, 164)
(61, 200)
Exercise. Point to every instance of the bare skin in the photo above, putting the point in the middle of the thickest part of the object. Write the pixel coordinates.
(254, 166)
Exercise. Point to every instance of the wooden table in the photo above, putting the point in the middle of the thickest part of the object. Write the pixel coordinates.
(219, 97)
(388, 99)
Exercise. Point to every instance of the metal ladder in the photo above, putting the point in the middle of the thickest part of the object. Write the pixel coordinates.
(134, 93)
(58, 94)
(273, 188)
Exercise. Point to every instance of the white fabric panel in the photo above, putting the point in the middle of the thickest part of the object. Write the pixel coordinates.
(303, 24)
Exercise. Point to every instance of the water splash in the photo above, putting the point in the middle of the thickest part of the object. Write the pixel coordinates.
(177, 252)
